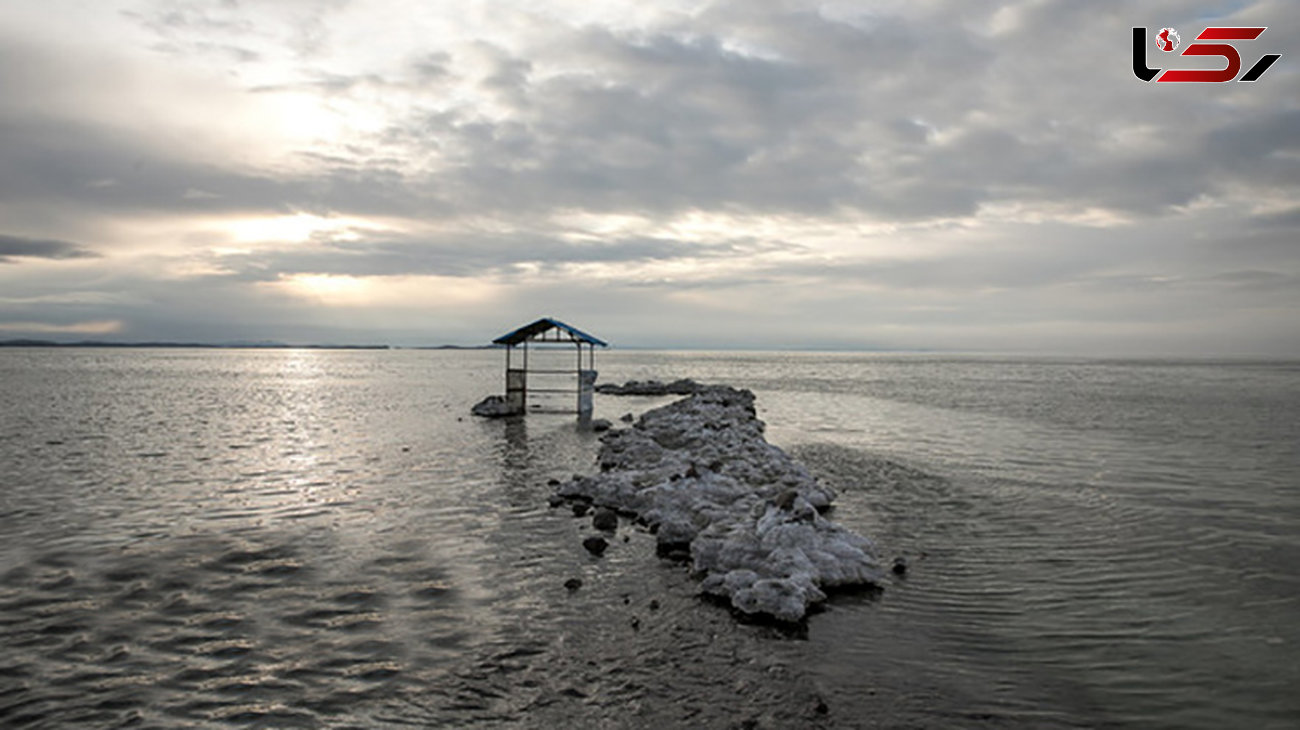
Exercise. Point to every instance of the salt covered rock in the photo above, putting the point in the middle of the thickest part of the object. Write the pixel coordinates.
(701, 476)
(684, 386)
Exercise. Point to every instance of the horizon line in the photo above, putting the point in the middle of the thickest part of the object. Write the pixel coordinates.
(825, 349)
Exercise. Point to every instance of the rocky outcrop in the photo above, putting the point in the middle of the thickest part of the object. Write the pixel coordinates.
(701, 475)
(685, 386)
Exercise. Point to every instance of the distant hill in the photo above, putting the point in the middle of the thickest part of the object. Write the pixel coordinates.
(227, 345)
(454, 347)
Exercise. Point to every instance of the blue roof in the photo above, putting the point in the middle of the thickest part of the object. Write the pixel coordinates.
(546, 324)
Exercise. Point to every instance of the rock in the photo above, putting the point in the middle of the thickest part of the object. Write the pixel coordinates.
(627, 418)
(675, 553)
(595, 544)
(654, 604)
(573, 584)
(493, 406)
(785, 500)
(636, 623)
(601, 424)
(684, 386)
(750, 523)
(605, 519)
(552, 482)
(555, 500)
(900, 566)
(580, 508)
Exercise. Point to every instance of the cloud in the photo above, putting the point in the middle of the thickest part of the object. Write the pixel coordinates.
(12, 247)
(846, 173)
(101, 327)
(471, 254)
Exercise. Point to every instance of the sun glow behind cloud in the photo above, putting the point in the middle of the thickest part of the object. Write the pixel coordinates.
(428, 293)
(296, 228)
(330, 289)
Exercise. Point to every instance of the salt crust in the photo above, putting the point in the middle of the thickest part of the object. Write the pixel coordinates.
(701, 475)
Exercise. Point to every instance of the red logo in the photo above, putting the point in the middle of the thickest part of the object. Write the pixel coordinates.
(1167, 40)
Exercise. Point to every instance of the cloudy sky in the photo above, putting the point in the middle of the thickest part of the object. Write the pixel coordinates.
(922, 174)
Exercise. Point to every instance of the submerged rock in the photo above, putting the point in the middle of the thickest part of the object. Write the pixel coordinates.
(493, 406)
(595, 545)
(701, 476)
(605, 519)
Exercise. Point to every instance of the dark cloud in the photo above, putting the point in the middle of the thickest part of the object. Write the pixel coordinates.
(12, 247)
(1288, 220)
(749, 106)
(1254, 280)
(476, 255)
(90, 168)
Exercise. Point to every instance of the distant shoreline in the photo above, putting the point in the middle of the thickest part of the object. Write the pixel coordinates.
(982, 355)
(230, 346)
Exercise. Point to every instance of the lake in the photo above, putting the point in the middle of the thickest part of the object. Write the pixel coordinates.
(327, 538)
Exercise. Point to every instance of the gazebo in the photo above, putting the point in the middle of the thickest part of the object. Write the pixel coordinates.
(546, 334)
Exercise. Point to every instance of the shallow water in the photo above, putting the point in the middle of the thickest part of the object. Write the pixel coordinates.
(326, 538)
(1092, 543)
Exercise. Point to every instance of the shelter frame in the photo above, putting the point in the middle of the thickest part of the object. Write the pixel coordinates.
(548, 333)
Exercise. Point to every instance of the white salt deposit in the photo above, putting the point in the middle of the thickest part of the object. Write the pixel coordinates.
(700, 473)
